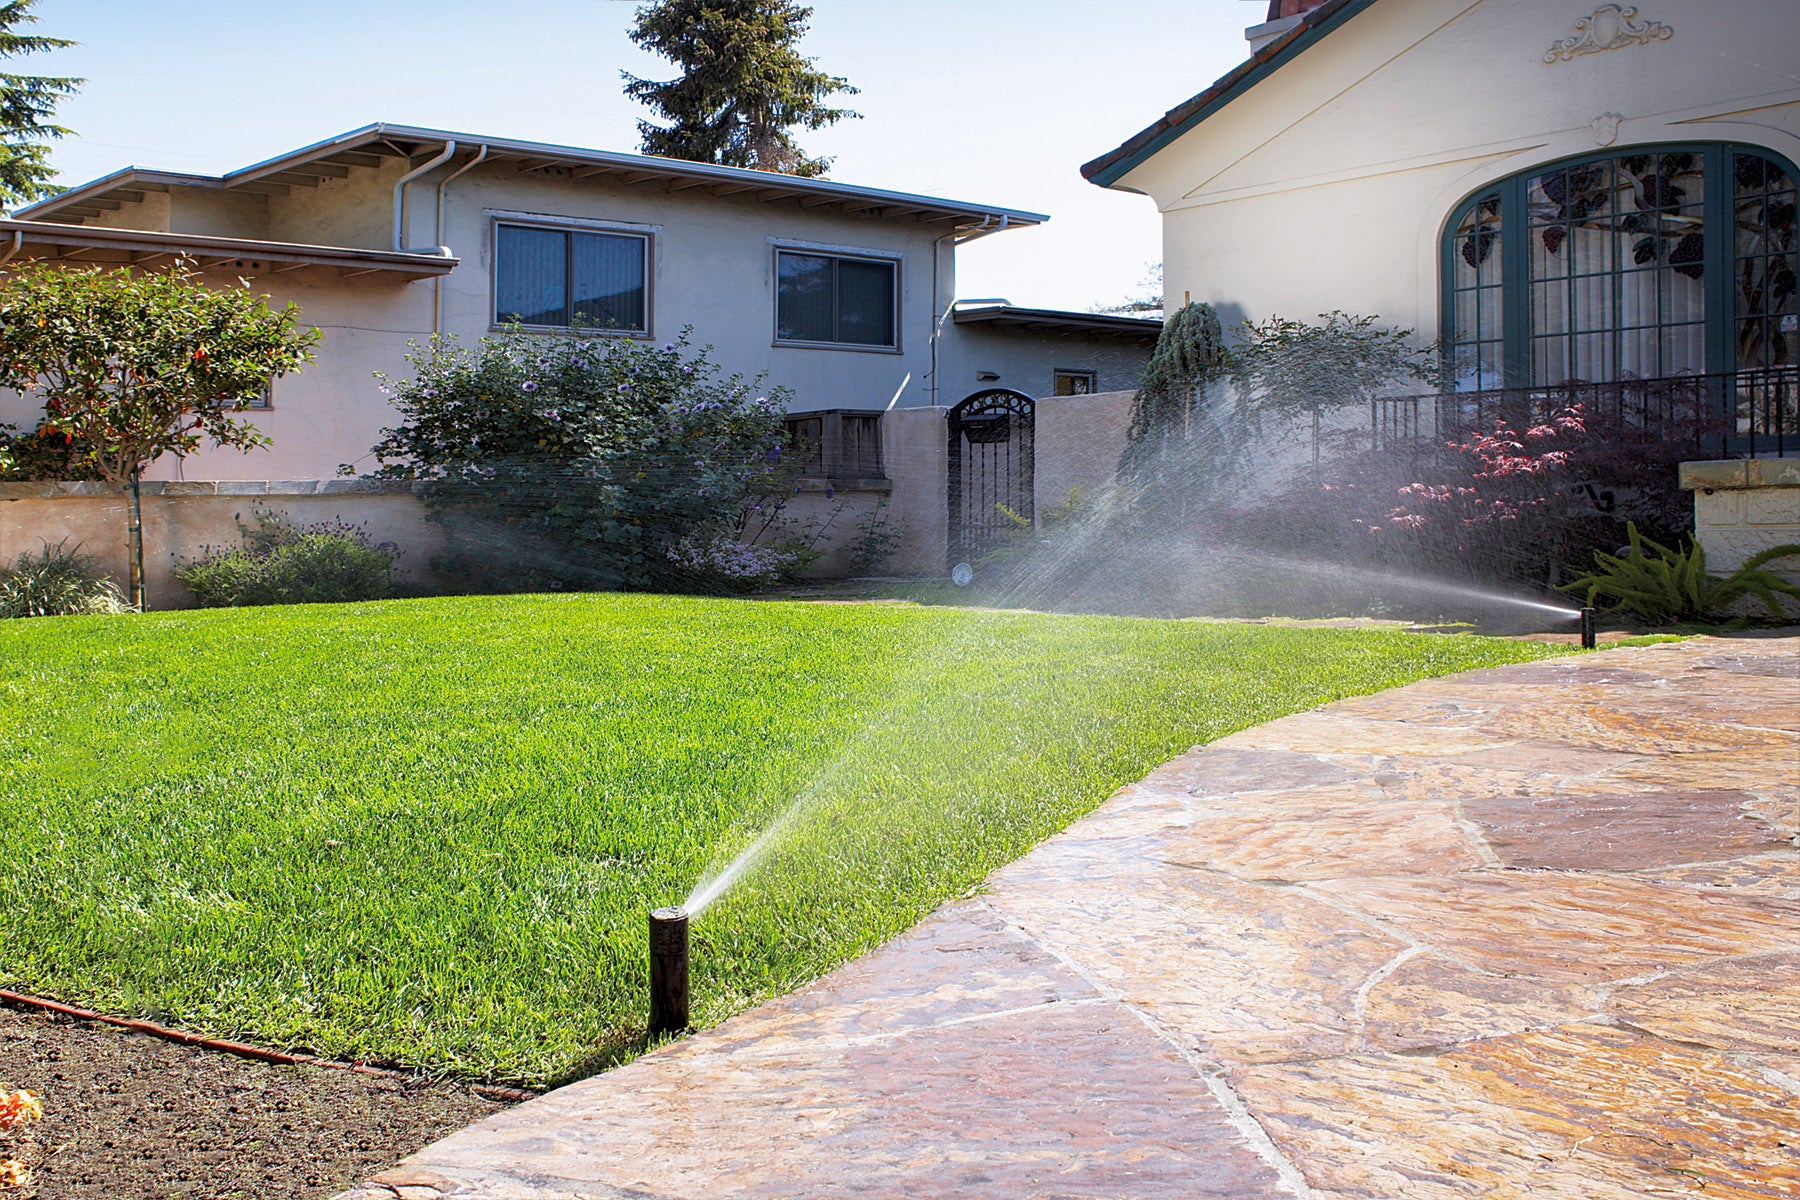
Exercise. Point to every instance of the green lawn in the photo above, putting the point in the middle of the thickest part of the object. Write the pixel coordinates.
(428, 831)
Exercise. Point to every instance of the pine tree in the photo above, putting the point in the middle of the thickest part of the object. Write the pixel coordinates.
(27, 103)
(743, 84)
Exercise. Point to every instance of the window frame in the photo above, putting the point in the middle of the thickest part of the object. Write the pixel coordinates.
(1058, 374)
(1517, 327)
(647, 235)
(836, 254)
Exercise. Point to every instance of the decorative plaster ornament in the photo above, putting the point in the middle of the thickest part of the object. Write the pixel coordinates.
(1609, 27)
(1606, 128)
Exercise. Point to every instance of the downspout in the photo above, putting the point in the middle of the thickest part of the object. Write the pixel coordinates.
(437, 284)
(955, 237)
(400, 192)
(18, 244)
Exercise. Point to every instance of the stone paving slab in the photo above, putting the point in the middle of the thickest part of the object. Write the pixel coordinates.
(1530, 931)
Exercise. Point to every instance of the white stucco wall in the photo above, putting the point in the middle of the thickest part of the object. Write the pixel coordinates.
(1328, 184)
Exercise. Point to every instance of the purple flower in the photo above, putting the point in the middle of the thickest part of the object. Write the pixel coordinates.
(428, 393)
(623, 388)
(528, 386)
(669, 348)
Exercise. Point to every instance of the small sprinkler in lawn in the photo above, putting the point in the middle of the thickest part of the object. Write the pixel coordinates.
(1589, 630)
(668, 971)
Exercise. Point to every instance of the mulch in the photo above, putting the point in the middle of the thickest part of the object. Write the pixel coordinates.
(128, 1116)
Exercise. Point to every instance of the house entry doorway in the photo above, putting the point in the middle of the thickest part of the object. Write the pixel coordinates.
(990, 470)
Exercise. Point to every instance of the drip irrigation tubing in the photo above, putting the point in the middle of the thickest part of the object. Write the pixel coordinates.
(487, 1091)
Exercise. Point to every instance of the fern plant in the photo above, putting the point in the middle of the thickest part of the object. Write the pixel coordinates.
(1667, 584)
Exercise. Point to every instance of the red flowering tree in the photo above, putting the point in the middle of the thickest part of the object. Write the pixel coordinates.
(131, 366)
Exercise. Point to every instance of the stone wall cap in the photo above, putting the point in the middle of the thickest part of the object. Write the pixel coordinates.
(1740, 473)
(1774, 472)
(1712, 475)
(41, 489)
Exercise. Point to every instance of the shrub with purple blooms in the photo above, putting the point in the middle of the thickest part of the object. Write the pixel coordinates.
(566, 461)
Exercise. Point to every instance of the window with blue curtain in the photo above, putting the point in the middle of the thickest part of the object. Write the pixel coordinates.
(555, 278)
(833, 300)
(1643, 263)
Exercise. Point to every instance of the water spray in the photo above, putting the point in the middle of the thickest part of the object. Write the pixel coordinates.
(1589, 629)
(668, 971)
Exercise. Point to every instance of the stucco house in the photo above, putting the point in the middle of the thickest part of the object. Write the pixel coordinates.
(1557, 190)
(1571, 198)
(842, 294)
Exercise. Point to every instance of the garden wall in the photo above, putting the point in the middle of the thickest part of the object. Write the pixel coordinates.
(1078, 439)
(1077, 444)
(182, 518)
(1745, 506)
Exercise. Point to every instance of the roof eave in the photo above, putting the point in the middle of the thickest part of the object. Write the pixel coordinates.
(144, 247)
(1039, 320)
(1109, 168)
(878, 202)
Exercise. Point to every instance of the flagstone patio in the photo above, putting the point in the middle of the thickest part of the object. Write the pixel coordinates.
(1529, 931)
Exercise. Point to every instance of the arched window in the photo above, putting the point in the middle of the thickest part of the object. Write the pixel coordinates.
(1646, 263)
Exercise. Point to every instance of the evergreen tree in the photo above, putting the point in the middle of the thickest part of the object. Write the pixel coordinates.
(27, 103)
(1167, 412)
(743, 84)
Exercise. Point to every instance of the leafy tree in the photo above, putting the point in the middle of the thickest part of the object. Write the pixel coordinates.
(132, 366)
(1148, 302)
(590, 463)
(1297, 369)
(27, 103)
(743, 84)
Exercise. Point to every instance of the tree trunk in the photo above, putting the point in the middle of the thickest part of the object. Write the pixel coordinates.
(135, 551)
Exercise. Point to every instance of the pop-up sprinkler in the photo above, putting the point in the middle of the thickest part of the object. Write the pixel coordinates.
(1589, 629)
(668, 971)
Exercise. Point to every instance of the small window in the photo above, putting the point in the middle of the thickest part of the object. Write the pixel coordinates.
(555, 278)
(828, 300)
(1074, 383)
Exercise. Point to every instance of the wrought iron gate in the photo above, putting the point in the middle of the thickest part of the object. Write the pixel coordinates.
(990, 470)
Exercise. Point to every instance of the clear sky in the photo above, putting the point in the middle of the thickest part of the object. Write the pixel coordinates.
(990, 101)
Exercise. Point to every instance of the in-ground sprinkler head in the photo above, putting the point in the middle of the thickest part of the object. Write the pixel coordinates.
(668, 971)
(1590, 632)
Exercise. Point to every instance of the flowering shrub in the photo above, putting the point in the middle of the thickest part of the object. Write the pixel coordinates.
(1520, 501)
(279, 563)
(43, 454)
(572, 462)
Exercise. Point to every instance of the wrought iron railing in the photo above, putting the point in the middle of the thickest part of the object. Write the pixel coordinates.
(1740, 414)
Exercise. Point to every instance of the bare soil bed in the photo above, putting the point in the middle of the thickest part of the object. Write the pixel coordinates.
(132, 1117)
